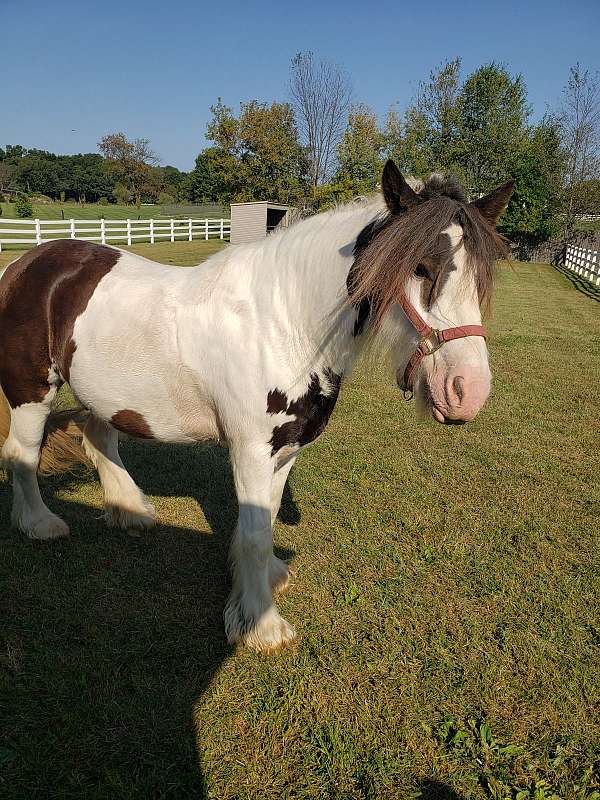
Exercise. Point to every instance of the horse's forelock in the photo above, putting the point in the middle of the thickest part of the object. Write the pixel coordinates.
(389, 249)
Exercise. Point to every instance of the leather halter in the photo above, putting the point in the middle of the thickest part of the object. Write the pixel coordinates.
(431, 340)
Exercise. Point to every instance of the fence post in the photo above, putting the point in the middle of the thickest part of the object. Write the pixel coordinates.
(151, 231)
(172, 230)
(102, 231)
(72, 226)
(38, 232)
(206, 229)
(128, 231)
(221, 230)
(190, 229)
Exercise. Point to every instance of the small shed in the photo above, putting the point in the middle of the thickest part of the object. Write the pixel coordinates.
(251, 222)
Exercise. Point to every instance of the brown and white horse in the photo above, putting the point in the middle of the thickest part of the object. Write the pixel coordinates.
(250, 348)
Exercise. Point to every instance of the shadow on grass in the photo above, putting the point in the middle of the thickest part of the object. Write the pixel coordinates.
(108, 640)
(581, 284)
(434, 790)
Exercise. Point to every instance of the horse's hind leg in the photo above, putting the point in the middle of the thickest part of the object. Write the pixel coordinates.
(279, 572)
(124, 503)
(21, 454)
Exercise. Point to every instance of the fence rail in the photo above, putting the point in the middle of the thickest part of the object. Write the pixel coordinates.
(36, 231)
(584, 262)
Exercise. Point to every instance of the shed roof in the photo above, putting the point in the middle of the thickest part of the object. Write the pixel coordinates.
(263, 203)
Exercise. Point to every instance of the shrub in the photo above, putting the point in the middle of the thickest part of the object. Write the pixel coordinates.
(103, 201)
(165, 199)
(121, 194)
(23, 207)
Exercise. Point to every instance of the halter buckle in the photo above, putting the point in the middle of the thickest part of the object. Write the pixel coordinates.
(432, 342)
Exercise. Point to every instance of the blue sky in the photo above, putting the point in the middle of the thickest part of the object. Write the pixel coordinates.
(153, 68)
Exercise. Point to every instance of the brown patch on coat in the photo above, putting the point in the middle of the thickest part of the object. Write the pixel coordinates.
(41, 296)
(277, 402)
(311, 411)
(133, 423)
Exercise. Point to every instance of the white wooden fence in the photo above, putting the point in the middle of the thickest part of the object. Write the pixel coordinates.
(36, 231)
(584, 262)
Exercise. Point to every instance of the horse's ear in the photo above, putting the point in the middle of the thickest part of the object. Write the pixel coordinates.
(397, 193)
(493, 204)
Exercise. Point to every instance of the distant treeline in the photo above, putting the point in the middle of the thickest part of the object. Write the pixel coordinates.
(86, 177)
(321, 148)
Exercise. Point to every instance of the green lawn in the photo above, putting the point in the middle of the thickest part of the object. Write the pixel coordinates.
(185, 254)
(446, 596)
(591, 225)
(96, 211)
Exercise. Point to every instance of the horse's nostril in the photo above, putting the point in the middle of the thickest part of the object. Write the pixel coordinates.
(458, 386)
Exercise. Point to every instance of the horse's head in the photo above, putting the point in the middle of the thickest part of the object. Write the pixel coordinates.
(425, 269)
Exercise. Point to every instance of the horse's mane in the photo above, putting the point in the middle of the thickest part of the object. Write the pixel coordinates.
(388, 250)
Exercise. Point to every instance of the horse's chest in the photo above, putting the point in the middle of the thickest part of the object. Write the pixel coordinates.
(308, 414)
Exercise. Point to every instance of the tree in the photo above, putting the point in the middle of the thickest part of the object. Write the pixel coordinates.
(172, 181)
(588, 196)
(12, 154)
(214, 178)
(579, 123)
(121, 194)
(84, 177)
(7, 172)
(255, 156)
(23, 207)
(533, 214)
(426, 137)
(321, 94)
(223, 129)
(38, 171)
(273, 163)
(492, 125)
(360, 151)
(407, 141)
(129, 162)
(438, 111)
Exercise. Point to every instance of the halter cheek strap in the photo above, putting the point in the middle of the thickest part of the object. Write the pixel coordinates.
(431, 339)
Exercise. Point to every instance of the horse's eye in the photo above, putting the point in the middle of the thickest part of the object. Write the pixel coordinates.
(421, 271)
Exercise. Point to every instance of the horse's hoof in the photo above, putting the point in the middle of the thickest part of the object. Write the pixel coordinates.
(117, 517)
(270, 632)
(49, 527)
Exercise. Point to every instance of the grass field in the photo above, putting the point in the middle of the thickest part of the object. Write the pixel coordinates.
(593, 226)
(447, 599)
(96, 211)
(184, 254)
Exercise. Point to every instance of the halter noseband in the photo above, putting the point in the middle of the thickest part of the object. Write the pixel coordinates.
(431, 340)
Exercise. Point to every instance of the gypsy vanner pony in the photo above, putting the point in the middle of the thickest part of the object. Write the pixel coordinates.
(250, 348)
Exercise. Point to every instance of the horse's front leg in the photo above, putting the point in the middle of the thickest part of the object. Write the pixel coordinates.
(250, 613)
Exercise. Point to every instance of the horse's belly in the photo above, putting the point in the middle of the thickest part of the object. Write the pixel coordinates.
(130, 375)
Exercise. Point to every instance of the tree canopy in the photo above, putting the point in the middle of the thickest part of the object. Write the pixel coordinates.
(255, 156)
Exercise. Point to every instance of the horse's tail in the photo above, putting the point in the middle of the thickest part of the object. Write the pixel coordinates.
(62, 449)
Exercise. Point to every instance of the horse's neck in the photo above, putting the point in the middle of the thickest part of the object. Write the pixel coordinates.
(300, 282)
